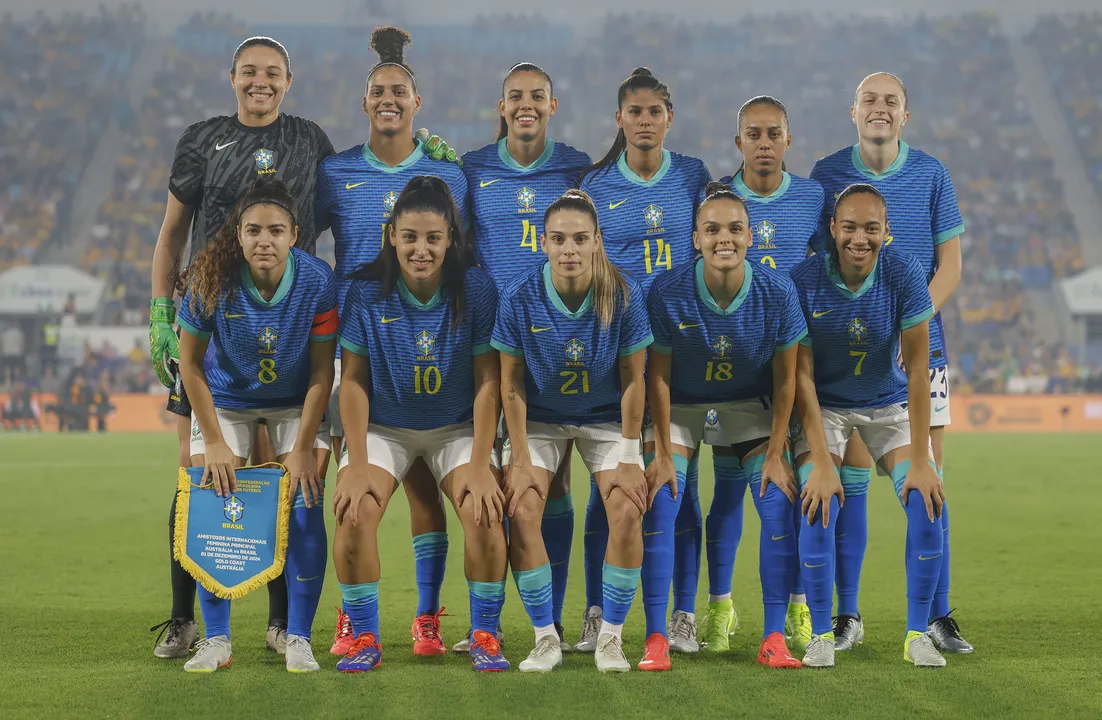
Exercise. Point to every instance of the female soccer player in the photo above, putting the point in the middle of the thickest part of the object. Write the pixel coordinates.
(420, 380)
(216, 161)
(926, 225)
(357, 190)
(645, 195)
(862, 304)
(784, 212)
(512, 182)
(725, 342)
(573, 334)
(270, 311)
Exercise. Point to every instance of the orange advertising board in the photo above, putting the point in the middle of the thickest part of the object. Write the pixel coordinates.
(134, 412)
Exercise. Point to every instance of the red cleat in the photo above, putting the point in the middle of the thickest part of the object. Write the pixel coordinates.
(774, 653)
(343, 638)
(656, 654)
(426, 635)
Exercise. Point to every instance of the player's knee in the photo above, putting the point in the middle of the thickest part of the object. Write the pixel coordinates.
(528, 515)
(623, 514)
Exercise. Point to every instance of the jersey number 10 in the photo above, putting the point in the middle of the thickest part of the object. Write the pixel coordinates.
(429, 380)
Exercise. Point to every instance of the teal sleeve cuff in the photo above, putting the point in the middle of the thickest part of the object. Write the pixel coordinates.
(323, 338)
(502, 347)
(948, 234)
(794, 341)
(910, 322)
(482, 348)
(632, 349)
(353, 347)
(664, 349)
(806, 341)
(192, 330)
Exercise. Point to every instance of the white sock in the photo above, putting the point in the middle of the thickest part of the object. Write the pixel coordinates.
(608, 628)
(545, 630)
(719, 598)
(800, 599)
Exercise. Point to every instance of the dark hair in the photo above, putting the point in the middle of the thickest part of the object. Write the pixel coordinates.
(760, 100)
(892, 76)
(424, 193)
(261, 41)
(214, 270)
(850, 191)
(716, 190)
(503, 128)
(640, 79)
(390, 43)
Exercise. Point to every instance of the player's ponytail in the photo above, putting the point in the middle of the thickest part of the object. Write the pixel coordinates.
(215, 270)
(640, 79)
(717, 190)
(503, 126)
(390, 44)
(609, 287)
(761, 100)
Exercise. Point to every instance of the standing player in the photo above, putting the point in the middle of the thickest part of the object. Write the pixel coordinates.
(357, 190)
(420, 380)
(864, 307)
(725, 344)
(646, 196)
(215, 161)
(512, 182)
(573, 334)
(270, 312)
(926, 225)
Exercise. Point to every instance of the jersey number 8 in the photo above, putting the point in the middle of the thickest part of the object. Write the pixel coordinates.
(267, 374)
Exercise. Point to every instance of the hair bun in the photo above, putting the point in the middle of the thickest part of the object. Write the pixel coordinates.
(390, 43)
(642, 72)
(716, 186)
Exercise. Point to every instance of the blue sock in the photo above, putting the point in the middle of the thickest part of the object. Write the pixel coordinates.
(723, 528)
(430, 556)
(216, 612)
(851, 537)
(940, 606)
(777, 555)
(688, 537)
(816, 545)
(658, 550)
(535, 592)
(595, 542)
(307, 552)
(924, 553)
(619, 590)
(487, 599)
(558, 535)
(361, 602)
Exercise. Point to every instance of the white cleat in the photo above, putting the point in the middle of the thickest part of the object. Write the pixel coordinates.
(211, 653)
(591, 627)
(919, 649)
(849, 631)
(300, 656)
(545, 656)
(277, 639)
(610, 655)
(682, 632)
(820, 651)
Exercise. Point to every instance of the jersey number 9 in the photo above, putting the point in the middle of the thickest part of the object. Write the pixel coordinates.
(429, 380)
(572, 377)
(267, 374)
(661, 257)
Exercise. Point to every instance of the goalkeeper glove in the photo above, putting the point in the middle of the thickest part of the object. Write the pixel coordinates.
(436, 148)
(164, 346)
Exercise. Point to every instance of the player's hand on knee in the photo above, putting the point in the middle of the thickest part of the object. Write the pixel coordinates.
(353, 485)
(219, 468)
(519, 480)
(479, 486)
(303, 469)
(923, 478)
(777, 471)
(632, 482)
(660, 472)
(822, 484)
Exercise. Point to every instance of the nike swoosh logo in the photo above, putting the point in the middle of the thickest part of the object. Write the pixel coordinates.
(390, 320)
(220, 146)
(563, 562)
(535, 329)
(812, 567)
(686, 326)
(939, 409)
(302, 579)
(781, 537)
(682, 532)
(230, 316)
(819, 314)
(353, 186)
(649, 534)
(488, 184)
(932, 557)
(613, 206)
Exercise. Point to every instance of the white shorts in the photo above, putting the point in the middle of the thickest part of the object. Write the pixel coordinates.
(724, 424)
(333, 410)
(395, 449)
(939, 397)
(598, 444)
(882, 429)
(239, 430)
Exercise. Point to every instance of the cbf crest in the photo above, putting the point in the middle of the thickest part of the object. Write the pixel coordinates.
(721, 347)
(426, 345)
(233, 509)
(526, 200)
(575, 352)
(264, 160)
(765, 232)
(711, 419)
(858, 331)
(388, 203)
(652, 216)
(266, 341)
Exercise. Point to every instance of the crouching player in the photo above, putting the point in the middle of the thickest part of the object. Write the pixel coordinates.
(269, 313)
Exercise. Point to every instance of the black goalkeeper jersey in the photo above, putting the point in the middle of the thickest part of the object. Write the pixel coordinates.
(218, 159)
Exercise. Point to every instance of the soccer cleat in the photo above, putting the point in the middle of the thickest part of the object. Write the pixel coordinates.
(919, 649)
(177, 638)
(591, 627)
(849, 631)
(797, 626)
(464, 646)
(300, 656)
(545, 656)
(656, 654)
(820, 651)
(682, 630)
(365, 654)
(720, 624)
(277, 639)
(775, 654)
(486, 653)
(343, 637)
(609, 654)
(564, 646)
(946, 635)
(210, 654)
(426, 635)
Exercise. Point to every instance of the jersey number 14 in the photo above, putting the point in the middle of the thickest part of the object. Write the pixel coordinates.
(661, 256)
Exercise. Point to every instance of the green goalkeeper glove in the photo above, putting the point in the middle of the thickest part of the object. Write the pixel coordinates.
(436, 148)
(164, 346)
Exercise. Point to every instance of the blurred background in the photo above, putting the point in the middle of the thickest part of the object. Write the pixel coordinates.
(93, 99)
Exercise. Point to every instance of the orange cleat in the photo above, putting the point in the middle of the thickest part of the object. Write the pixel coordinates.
(343, 636)
(656, 654)
(426, 635)
(774, 653)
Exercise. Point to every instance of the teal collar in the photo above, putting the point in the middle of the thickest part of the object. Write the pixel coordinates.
(746, 192)
(836, 278)
(410, 299)
(892, 169)
(512, 164)
(553, 294)
(706, 295)
(371, 159)
(282, 289)
(631, 175)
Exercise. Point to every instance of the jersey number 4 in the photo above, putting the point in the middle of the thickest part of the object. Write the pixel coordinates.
(528, 236)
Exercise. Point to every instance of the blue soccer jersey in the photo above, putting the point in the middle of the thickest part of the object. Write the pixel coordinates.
(572, 374)
(259, 352)
(855, 335)
(784, 222)
(421, 363)
(647, 225)
(922, 210)
(723, 355)
(508, 201)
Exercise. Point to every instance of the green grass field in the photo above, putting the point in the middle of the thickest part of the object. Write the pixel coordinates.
(83, 574)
